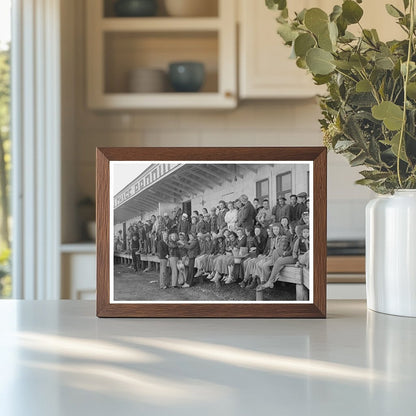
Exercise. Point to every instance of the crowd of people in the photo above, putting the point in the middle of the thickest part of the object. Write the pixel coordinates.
(258, 238)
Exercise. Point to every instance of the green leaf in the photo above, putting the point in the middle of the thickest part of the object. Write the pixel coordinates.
(316, 20)
(320, 61)
(358, 61)
(393, 11)
(287, 33)
(374, 175)
(325, 42)
(321, 79)
(336, 12)
(358, 160)
(343, 145)
(388, 112)
(384, 62)
(345, 65)
(276, 4)
(411, 90)
(363, 86)
(394, 145)
(301, 63)
(303, 43)
(351, 11)
(301, 15)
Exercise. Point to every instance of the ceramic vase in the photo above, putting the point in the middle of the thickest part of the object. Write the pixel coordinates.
(391, 253)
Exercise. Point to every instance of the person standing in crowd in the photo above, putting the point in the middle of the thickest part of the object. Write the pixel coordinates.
(173, 258)
(192, 248)
(256, 205)
(264, 214)
(182, 259)
(207, 223)
(153, 221)
(231, 216)
(248, 213)
(168, 222)
(222, 210)
(304, 219)
(302, 197)
(163, 254)
(183, 225)
(193, 228)
(281, 209)
(135, 245)
(295, 210)
(213, 221)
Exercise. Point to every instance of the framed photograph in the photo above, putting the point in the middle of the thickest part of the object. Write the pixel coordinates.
(211, 232)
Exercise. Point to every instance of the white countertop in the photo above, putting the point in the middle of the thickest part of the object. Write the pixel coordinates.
(57, 358)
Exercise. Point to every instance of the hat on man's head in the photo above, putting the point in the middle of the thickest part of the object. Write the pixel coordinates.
(302, 195)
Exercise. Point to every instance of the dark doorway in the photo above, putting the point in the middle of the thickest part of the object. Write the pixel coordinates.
(187, 208)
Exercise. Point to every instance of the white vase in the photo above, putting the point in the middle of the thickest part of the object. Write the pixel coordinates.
(391, 253)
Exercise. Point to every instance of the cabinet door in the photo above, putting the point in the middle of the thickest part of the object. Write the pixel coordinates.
(266, 71)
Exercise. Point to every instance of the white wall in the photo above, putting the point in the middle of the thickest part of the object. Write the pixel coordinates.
(255, 123)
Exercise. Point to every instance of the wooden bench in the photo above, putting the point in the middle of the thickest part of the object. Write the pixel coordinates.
(150, 261)
(296, 275)
(125, 258)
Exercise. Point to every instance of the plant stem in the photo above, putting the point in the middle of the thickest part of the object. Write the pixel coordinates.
(406, 80)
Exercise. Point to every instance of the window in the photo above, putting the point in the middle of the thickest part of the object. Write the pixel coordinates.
(5, 160)
(262, 190)
(284, 185)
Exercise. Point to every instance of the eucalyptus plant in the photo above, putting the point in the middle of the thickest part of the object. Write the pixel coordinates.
(369, 111)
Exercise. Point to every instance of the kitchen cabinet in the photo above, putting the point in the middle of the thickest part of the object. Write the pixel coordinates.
(265, 70)
(118, 45)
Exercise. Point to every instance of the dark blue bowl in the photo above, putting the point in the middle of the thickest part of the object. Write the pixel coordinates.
(186, 76)
(135, 8)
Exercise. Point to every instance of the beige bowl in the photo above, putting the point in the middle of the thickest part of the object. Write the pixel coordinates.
(191, 8)
(147, 80)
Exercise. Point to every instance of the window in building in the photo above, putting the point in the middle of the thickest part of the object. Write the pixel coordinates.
(262, 190)
(284, 185)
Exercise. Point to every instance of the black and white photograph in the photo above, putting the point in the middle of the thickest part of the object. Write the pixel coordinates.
(211, 231)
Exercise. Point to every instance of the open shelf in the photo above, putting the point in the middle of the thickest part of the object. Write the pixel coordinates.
(119, 45)
(160, 24)
(126, 51)
(210, 10)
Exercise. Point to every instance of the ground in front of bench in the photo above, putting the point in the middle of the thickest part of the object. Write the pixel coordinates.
(130, 286)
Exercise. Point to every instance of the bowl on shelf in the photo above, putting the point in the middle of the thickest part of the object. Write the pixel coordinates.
(186, 76)
(191, 8)
(147, 80)
(135, 8)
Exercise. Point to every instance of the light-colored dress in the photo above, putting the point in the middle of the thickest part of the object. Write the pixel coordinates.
(231, 219)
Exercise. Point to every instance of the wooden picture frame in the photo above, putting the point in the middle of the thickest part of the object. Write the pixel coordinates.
(316, 157)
